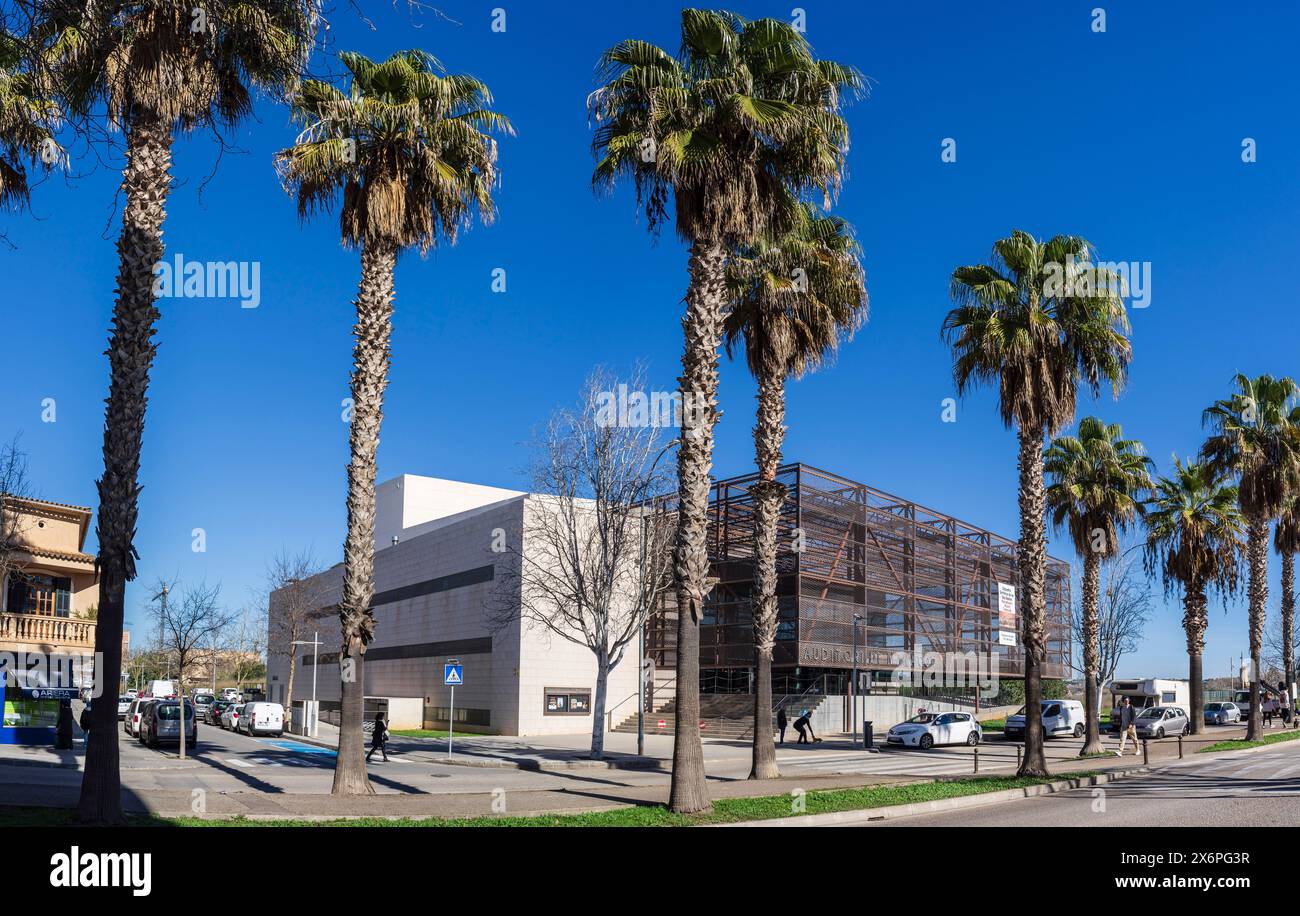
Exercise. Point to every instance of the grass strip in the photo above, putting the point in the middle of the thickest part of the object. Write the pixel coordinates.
(725, 810)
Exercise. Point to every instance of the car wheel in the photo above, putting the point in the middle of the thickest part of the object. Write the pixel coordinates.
(1187, 729)
(153, 740)
(926, 742)
(972, 739)
(1078, 730)
(1160, 732)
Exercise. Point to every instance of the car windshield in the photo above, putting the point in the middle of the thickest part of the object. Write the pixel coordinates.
(1213, 707)
(924, 718)
(1151, 712)
(172, 711)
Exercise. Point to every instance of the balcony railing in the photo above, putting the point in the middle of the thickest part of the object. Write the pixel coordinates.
(57, 631)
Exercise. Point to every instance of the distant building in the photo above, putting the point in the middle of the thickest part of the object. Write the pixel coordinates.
(435, 589)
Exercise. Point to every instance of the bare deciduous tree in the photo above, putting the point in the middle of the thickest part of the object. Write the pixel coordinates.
(1123, 609)
(13, 486)
(594, 553)
(294, 600)
(188, 626)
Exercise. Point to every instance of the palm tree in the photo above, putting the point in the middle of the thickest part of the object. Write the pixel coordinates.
(734, 130)
(1256, 436)
(1286, 541)
(27, 122)
(1024, 323)
(153, 67)
(1194, 540)
(410, 150)
(793, 299)
(1098, 481)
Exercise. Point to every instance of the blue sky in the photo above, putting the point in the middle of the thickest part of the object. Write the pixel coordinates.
(1131, 138)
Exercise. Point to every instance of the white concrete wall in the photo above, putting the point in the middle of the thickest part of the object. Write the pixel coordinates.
(406, 504)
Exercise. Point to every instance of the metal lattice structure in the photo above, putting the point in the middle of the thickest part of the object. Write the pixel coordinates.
(919, 580)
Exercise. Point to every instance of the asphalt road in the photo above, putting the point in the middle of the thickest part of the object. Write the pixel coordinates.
(1234, 789)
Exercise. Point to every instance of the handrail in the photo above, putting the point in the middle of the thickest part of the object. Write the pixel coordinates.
(609, 713)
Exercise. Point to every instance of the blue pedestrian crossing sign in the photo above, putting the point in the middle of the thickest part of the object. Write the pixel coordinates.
(453, 675)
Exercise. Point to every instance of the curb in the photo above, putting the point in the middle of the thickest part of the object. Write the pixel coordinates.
(891, 812)
(630, 762)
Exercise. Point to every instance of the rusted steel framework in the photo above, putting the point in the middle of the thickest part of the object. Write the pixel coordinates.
(918, 580)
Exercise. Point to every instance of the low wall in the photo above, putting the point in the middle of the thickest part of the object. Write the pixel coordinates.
(886, 711)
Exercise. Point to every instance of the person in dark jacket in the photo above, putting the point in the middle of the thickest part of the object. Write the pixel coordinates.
(379, 737)
(1127, 726)
(781, 722)
(85, 720)
(803, 725)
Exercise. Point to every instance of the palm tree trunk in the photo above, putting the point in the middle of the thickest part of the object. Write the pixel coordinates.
(769, 496)
(1091, 664)
(1033, 610)
(1288, 619)
(1257, 590)
(1195, 620)
(702, 328)
(369, 379)
(145, 183)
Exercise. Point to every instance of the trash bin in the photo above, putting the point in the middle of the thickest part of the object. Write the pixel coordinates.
(866, 734)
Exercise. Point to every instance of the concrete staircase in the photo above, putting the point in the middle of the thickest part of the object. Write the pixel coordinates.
(722, 715)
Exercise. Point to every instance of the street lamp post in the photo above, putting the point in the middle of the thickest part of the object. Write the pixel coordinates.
(853, 686)
(315, 655)
(645, 614)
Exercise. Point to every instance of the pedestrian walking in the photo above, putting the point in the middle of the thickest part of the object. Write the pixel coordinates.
(84, 721)
(378, 738)
(1127, 726)
(781, 722)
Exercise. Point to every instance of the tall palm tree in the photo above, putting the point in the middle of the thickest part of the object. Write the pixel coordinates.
(409, 149)
(1286, 541)
(1098, 482)
(733, 130)
(153, 67)
(794, 298)
(1194, 540)
(28, 119)
(1256, 436)
(1022, 323)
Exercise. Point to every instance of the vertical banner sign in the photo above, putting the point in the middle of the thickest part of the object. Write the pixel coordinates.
(1006, 614)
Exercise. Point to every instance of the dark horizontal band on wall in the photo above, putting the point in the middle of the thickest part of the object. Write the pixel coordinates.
(480, 646)
(427, 587)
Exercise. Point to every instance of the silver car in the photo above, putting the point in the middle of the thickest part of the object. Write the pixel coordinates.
(1222, 713)
(1162, 722)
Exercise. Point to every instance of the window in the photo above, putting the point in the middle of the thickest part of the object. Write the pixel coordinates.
(567, 701)
(32, 593)
(23, 713)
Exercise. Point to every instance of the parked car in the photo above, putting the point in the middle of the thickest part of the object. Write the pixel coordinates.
(230, 694)
(1162, 721)
(135, 714)
(262, 718)
(1060, 718)
(928, 729)
(1222, 713)
(162, 720)
(202, 701)
(132, 693)
(230, 718)
(212, 714)
(123, 704)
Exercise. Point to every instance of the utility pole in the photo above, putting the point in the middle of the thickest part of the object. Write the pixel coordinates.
(309, 724)
(162, 621)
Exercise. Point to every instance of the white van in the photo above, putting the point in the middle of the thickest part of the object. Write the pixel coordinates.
(1060, 718)
(263, 719)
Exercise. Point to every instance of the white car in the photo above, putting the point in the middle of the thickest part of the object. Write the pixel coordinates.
(930, 728)
(262, 718)
(123, 705)
(230, 718)
(1060, 718)
(135, 714)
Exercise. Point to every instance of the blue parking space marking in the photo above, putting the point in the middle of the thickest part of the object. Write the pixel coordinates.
(299, 747)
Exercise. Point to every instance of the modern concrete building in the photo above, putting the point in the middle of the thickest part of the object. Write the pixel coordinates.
(438, 597)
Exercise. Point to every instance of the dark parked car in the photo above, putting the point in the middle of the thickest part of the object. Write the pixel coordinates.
(212, 713)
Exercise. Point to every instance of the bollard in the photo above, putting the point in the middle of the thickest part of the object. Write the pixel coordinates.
(1144, 752)
(1018, 747)
(1180, 747)
(977, 758)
